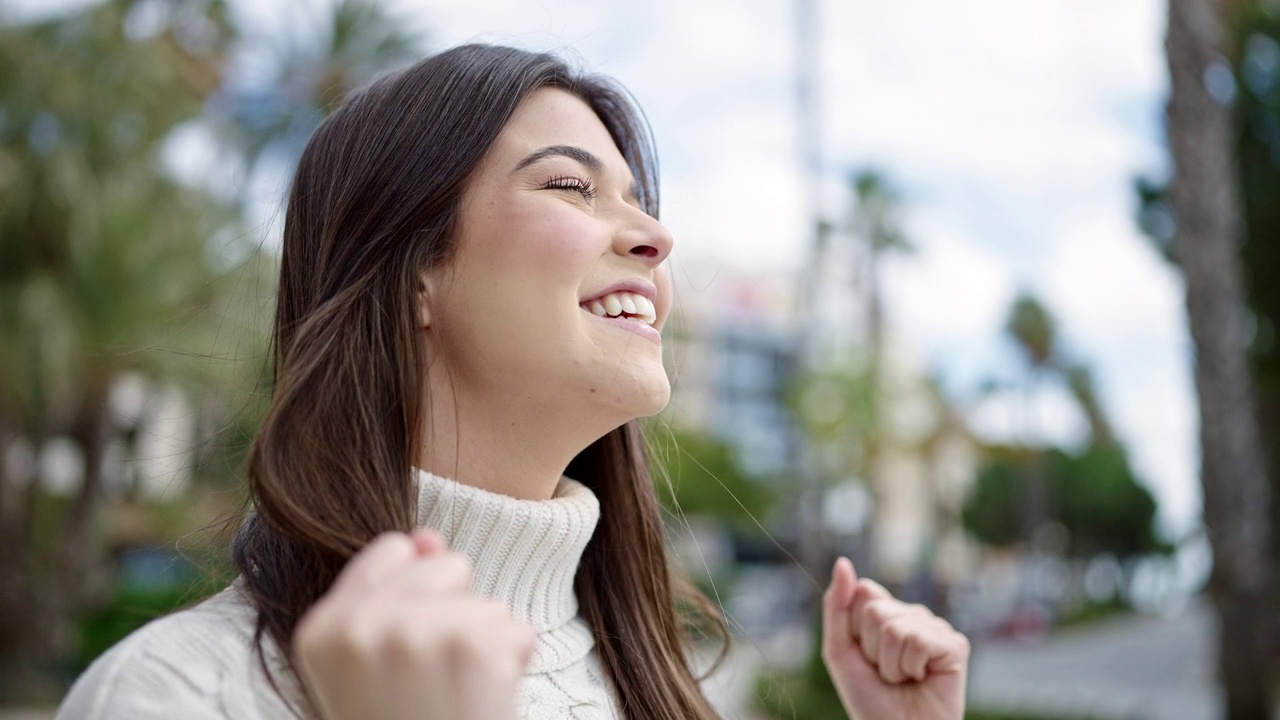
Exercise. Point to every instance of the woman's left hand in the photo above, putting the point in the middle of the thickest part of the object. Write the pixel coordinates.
(890, 660)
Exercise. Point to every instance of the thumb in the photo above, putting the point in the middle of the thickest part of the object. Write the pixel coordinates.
(428, 542)
(836, 603)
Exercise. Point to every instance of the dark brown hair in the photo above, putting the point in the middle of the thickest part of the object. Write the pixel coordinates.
(374, 203)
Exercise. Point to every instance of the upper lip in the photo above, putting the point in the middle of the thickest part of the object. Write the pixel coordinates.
(636, 286)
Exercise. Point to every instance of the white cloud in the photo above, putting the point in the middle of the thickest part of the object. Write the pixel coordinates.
(1045, 415)
(949, 294)
(1111, 290)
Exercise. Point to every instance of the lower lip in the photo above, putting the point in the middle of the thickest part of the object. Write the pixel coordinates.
(634, 326)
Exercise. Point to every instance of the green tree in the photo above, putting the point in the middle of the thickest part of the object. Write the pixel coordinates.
(308, 68)
(1257, 154)
(102, 272)
(1101, 503)
(698, 475)
(109, 263)
(1094, 494)
(1035, 332)
(992, 509)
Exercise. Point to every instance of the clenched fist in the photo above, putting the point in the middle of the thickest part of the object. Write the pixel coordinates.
(890, 660)
(401, 636)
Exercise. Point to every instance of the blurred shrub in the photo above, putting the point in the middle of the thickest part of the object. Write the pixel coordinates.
(1094, 494)
(699, 475)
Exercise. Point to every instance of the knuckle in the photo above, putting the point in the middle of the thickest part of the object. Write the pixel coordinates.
(457, 569)
(875, 611)
(457, 649)
(346, 641)
(396, 543)
(469, 646)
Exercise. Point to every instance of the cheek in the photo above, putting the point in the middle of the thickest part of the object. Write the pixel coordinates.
(524, 268)
(666, 296)
(563, 244)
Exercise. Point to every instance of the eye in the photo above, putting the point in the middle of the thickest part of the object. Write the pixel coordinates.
(571, 182)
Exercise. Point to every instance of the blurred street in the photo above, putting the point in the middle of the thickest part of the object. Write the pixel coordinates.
(1130, 668)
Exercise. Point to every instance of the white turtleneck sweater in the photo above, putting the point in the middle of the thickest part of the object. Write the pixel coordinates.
(200, 663)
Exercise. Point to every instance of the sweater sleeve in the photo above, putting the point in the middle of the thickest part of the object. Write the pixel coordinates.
(198, 664)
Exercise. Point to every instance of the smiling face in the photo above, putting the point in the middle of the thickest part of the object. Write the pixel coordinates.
(554, 297)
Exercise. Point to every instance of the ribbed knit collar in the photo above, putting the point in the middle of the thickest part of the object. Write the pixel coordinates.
(523, 552)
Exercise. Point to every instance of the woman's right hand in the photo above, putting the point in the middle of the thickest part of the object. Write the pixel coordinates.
(400, 635)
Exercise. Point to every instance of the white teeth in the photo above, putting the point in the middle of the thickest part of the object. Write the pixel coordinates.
(638, 307)
(644, 308)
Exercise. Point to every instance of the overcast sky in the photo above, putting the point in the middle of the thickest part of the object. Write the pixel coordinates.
(1014, 129)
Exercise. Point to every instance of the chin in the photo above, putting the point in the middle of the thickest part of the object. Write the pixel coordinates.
(656, 402)
(641, 400)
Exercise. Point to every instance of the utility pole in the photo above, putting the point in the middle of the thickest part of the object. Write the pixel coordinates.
(814, 544)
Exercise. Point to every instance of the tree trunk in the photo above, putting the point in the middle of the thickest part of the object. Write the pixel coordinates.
(47, 576)
(1206, 199)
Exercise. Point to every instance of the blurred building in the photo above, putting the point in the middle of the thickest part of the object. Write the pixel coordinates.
(734, 356)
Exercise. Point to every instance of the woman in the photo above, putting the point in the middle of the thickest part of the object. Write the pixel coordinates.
(454, 515)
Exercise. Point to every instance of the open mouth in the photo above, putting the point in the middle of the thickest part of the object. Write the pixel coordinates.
(630, 306)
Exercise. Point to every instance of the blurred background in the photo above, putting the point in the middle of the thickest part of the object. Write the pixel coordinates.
(944, 306)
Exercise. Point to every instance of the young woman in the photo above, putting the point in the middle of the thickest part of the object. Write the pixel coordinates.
(453, 514)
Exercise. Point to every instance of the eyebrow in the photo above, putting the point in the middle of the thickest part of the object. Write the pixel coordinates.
(577, 154)
(582, 157)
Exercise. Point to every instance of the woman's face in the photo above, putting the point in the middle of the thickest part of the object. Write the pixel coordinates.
(552, 237)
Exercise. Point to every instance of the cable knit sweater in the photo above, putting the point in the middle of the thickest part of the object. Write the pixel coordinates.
(199, 663)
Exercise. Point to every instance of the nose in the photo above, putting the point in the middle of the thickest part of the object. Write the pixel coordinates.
(641, 235)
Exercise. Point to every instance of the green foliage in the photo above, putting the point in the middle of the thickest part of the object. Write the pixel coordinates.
(836, 404)
(1256, 31)
(1103, 506)
(706, 479)
(113, 263)
(1093, 611)
(1034, 329)
(1258, 159)
(102, 252)
(1094, 494)
(808, 693)
(309, 68)
(986, 715)
(877, 215)
(128, 609)
(992, 511)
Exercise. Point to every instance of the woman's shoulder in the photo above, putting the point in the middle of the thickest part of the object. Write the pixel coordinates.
(196, 663)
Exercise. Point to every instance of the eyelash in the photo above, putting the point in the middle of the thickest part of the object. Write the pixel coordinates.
(570, 182)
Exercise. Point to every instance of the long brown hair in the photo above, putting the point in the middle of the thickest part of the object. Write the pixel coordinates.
(374, 203)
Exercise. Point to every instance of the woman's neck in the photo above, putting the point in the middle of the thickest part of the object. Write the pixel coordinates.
(502, 450)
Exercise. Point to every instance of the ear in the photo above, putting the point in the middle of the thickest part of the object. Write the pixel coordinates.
(424, 300)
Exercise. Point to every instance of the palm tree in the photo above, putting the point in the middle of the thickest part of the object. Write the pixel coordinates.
(104, 261)
(104, 273)
(876, 228)
(1205, 197)
(308, 69)
(1035, 331)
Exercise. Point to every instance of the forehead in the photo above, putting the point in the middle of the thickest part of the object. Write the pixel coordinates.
(551, 116)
